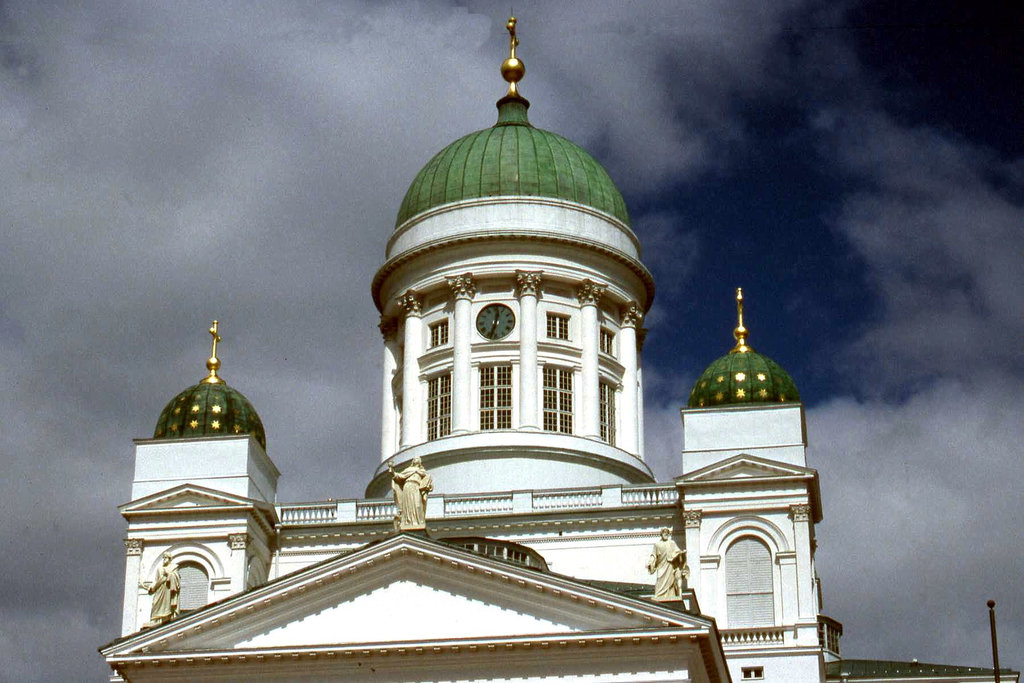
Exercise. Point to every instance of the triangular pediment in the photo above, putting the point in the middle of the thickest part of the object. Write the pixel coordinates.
(744, 466)
(406, 589)
(187, 496)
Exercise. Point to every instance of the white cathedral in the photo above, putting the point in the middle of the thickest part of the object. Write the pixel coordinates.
(512, 300)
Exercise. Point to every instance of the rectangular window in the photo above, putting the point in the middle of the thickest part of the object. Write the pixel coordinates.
(439, 407)
(558, 326)
(607, 339)
(753, 673)
(607, 397)
(558, 400)
(496, 397)
(439, 333)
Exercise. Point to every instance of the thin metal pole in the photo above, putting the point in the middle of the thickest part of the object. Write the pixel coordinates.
(995, 644)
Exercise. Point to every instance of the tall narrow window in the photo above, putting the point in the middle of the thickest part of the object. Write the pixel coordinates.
(558, 400)
(607, 341)
(496, 397)
(748, 584)
(439, 406)
(195, 587)
(439, 333)
(607, 397)
(558, 326)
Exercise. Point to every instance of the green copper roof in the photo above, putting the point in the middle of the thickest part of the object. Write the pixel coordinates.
(512, 158)
(747, 377)
(209, 410)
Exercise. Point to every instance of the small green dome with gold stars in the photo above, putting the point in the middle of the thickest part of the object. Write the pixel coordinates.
(742, 376)
(210, 408)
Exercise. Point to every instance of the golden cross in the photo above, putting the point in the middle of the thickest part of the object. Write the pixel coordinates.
(213, 363)
(512, 40)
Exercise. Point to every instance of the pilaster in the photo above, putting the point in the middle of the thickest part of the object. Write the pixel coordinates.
(133, 563)
(801, 516)
(691, 522)
(629, 408)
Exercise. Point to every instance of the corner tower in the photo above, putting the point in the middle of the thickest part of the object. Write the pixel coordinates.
(511, 299)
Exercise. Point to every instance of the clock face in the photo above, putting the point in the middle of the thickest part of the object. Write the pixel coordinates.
(495, 321)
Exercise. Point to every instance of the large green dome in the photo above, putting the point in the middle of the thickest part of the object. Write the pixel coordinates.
(742, 376)
(209, 410)
(512, 158)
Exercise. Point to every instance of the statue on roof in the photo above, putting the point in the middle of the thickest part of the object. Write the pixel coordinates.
(411, 487)
(668, 563)
(165, 590)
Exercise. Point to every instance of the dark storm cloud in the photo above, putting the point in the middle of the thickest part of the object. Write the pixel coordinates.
(166, 164)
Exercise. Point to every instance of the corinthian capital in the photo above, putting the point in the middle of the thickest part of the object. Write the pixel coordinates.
(692, 518)
(632, 314)
(133, 546)
(411, 302)
(463, 286)
(238, 541)
(388, 328)
(589, 293)
(528, 283)
(800, 513)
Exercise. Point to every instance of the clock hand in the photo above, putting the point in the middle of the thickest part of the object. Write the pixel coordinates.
(494, 325)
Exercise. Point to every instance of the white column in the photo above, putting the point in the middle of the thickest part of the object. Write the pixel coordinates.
(133, 561)
(641, 334)
(589, 294)
(801, 515)
(691, 518)
(388, 410)
(529, 287)
(412, 411)
(463, 289)
(788, 574)
(629, 439)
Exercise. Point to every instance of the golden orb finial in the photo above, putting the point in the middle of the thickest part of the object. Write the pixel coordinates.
(740, 333)
(512, 69)
(213, 363)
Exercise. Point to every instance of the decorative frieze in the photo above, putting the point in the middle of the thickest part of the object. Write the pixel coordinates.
(527, 283)
(133, 546)
(463, 286)
(238, 541)
(800, 513)
(388, 328)
(411, 303)
(589, 293)
(692, 518)
(632, 315)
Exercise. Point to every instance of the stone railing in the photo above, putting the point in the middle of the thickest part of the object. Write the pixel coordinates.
(747, 637)
(829, 633)
(484, 504)
(441, 506)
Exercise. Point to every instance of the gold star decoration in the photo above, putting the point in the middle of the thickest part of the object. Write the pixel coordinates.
(740, 393)
(740, 376)
(718, 396)
(193, 424)
(215, 424)
(782, 397)
(719, 378)
(238, 429)
(763, 393)
(195, 407)
(703, 384)
(177, 411)
(760, 377)
(216, 409)
(160, 432)
(701, 404)
(174, 428)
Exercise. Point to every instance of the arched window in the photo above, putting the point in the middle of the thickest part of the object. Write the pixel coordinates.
(195, 587)
(748, 579)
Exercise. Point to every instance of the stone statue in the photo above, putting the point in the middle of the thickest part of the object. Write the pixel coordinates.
(668, 563)
(411, 487)
(164, 591)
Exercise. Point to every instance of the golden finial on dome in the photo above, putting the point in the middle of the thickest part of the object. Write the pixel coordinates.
(740, 333)
(512, 69)
(213, 363)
